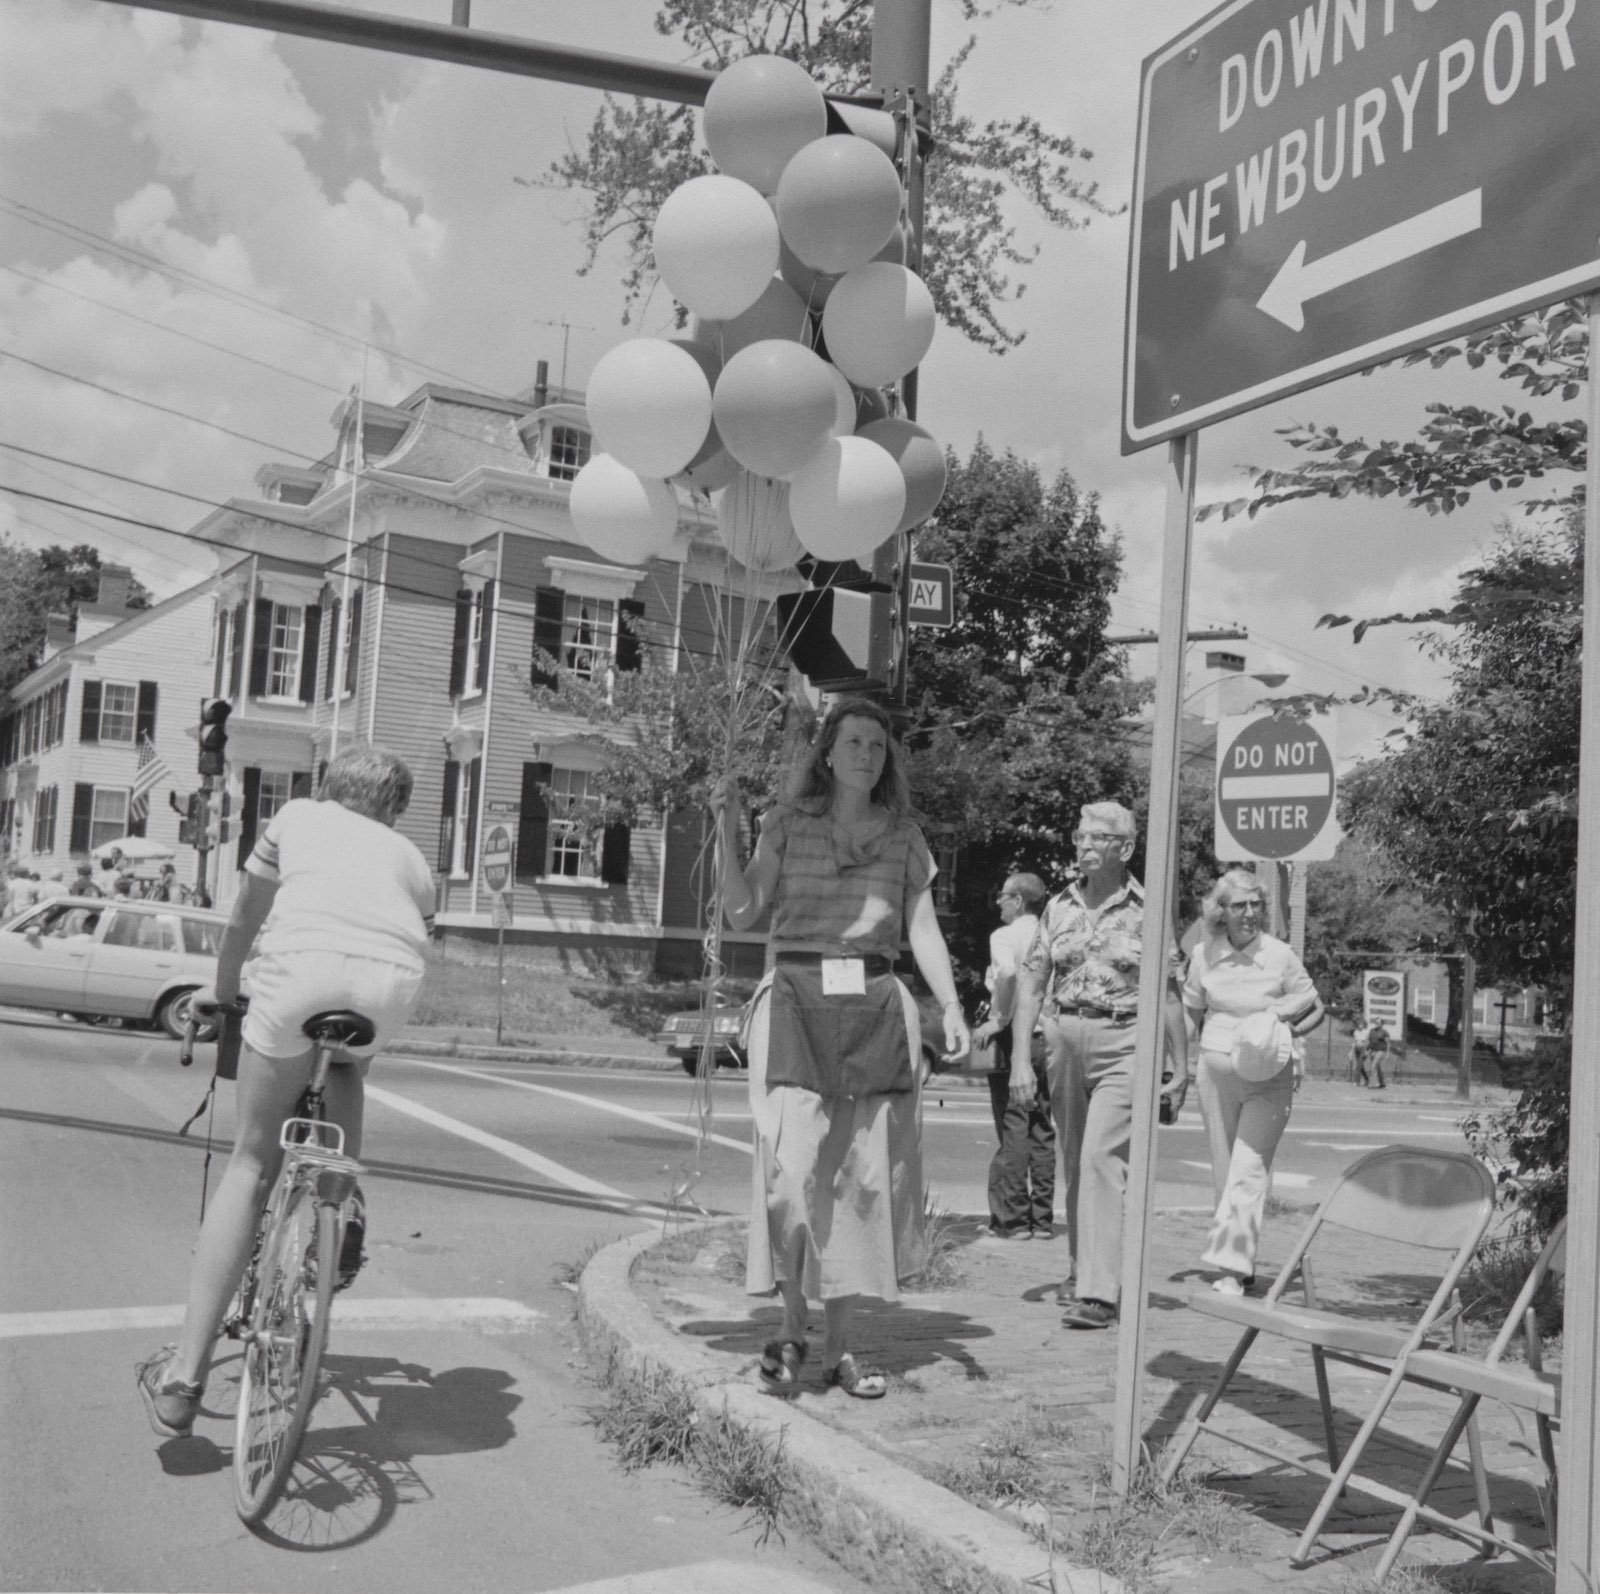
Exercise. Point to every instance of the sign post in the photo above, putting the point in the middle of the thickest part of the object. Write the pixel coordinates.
(1320, 186)
(496, 867)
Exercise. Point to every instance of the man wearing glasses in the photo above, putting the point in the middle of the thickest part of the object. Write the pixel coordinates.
(1082, 971)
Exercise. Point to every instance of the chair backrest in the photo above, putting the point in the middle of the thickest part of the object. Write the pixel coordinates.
(1413, 1195)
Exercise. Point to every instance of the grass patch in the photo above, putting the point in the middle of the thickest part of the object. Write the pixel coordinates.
(1010, 1464)
(649, 1417)
(948, 1234)
(1494, 1277)
(567, 1274)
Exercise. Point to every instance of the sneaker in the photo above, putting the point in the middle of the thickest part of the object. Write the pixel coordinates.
(351, 1254)
(1228, 1284)
(170, 1406)
(1089, 1314)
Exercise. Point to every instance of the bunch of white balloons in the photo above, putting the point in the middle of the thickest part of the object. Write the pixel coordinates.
(794, 246)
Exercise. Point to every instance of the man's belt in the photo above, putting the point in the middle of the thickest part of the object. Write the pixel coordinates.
(871, 962)
(1089, 1010)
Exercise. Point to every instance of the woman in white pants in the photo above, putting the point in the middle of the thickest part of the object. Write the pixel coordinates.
(1251, 999)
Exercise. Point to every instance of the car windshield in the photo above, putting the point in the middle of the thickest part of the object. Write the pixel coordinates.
(60, 920)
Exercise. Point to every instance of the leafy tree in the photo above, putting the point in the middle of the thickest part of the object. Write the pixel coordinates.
(1018, 712)
(35, 585)
(638, 152)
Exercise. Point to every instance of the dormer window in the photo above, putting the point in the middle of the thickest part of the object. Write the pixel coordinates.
(569, 452)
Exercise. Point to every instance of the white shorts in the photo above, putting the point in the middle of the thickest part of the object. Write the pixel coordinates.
(287, 988)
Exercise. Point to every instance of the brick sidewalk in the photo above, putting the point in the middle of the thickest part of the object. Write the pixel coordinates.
(983, 1371)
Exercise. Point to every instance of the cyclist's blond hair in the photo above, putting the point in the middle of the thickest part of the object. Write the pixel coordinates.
(369, 781)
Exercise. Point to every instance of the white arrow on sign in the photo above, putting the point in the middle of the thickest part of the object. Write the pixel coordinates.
(1297, 282)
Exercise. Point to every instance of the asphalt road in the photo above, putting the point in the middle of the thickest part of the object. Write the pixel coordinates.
(453, 1450)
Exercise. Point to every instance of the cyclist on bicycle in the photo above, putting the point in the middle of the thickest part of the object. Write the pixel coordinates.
(351, 909)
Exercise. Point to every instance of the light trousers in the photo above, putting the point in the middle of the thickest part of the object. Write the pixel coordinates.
(1091, 1097)
(1244, 1123)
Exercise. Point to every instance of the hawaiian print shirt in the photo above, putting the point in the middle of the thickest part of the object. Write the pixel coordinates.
(1090, 958)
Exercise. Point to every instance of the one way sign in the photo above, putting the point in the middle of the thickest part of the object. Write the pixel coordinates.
(933, 595)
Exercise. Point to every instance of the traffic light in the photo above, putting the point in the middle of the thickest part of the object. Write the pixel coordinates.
(214, 712)
(844, 634)
(192, 824)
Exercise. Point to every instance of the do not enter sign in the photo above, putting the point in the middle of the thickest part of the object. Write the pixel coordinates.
(1275, 788)
(497, 858)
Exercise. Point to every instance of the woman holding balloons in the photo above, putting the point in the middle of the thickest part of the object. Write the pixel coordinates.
(837, 1210)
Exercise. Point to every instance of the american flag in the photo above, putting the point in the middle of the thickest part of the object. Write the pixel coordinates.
(152, 769)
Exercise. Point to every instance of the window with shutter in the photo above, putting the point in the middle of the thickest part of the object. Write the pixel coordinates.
(483, 633)
(89, 718)
(352, 647)
(145, 728)
(548, 604)
(82, 815)
(615, 845)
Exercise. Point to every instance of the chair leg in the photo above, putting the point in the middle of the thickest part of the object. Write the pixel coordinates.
(1326, 1398)
(1336, 1487)
(1183, 1441)
(1464, 1418)
(1480, 1481)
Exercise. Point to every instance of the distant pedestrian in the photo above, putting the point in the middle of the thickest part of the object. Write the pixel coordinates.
(1083, 973)
(1251, 999)
(1370, 1056)
(122, 886)
(23, 892)
(1022, 1173)
(52, 885)
(167, 887)
(84, 885)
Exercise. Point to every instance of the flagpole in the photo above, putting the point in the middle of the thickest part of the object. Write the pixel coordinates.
(339, 660)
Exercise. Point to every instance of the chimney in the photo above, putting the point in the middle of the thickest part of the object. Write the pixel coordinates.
(541, 384)
(58, 634)
(116, 582)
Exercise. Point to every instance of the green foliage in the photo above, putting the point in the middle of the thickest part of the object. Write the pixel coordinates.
(637, 153)
(1016, 713)
(1462, 446)
(35, 585)
(1529, 1141)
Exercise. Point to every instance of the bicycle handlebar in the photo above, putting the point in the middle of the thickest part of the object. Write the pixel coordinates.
(198, 1013)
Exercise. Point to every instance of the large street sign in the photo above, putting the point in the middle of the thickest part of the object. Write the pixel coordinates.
(1322, 184)
(1275, 788)
(933, 595)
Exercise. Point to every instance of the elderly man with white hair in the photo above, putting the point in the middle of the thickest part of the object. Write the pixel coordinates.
(1083, 973)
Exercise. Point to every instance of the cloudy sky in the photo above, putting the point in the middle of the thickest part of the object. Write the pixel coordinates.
(212, 222)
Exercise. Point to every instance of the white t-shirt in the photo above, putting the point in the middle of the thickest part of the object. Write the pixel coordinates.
(346, 884)
(1008, 946)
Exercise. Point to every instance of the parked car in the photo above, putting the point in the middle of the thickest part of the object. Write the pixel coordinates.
(95, 957)
(683, 1033)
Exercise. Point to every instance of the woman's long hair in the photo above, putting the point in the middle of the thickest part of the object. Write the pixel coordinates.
(812, 788)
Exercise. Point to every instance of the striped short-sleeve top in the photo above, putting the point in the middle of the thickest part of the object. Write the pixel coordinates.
(840, 894)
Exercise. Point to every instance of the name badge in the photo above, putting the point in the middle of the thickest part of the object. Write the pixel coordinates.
(844, 977)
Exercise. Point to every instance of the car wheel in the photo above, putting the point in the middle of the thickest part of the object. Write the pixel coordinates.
(173, 1016)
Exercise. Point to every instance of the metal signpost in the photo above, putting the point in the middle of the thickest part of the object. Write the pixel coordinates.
(1276, 789)
(495, 866)
(1320, 185)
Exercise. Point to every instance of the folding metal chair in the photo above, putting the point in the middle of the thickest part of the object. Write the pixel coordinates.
(1436, 1201)
(1528, 1388)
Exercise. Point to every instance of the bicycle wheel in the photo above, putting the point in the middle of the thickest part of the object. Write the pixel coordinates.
(283, 1348)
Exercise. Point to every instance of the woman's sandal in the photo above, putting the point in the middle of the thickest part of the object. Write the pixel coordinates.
(865, 1383)
(781, 1361)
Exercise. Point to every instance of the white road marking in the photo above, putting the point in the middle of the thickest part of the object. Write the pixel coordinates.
(1390, 1132)
(486, 1313)
(655, 1120)
(509, 1149)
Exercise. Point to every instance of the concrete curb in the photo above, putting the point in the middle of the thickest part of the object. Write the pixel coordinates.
(470, 1052)
(884, 1523)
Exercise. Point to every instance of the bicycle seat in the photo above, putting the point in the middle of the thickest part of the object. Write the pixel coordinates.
(339, 1027)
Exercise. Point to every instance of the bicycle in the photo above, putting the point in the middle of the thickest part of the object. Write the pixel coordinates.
(281, 1313)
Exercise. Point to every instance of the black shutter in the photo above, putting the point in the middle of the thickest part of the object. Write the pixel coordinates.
(458, 643)
(248, 809)
(474, 779)
(447, 814)
(236, 662)
(548, 603)
(481, 679)
(260, 653)
(533, 827)
(89, 721)
(332, 662)
(145, 715)
(82, 815)
(352, 654)
(615, 843)
(300, 783)
(631, 611)
(310, 637)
